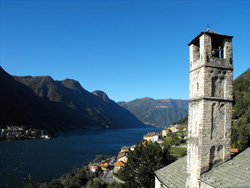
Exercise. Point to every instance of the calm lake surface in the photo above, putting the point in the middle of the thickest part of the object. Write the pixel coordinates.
(48, 159)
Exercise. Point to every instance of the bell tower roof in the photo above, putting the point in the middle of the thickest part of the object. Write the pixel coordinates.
(211, 33)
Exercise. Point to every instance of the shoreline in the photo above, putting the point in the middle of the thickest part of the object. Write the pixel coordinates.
(46, 160)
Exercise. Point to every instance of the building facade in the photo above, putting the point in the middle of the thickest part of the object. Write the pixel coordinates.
(208, 163)
(210, 104)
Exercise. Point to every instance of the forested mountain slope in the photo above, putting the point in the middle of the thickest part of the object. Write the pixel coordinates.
(241, 111)
(160, 113)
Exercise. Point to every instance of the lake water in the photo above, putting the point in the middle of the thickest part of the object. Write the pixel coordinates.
(48, 159)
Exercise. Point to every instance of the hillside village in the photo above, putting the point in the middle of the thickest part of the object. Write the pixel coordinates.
(22, 133)
(175, 135)
(210, 160)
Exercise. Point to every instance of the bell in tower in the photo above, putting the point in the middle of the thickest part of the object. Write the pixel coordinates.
(210, 103)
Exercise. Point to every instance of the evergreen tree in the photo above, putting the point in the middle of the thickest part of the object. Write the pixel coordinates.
(142, 163)
(115, 185)
(56, 183)
(241, 112)
(98, 183)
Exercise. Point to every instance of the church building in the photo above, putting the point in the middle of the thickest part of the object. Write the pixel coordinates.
(208, 162)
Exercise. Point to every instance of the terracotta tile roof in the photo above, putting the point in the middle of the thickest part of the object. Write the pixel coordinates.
(121, 154)
(150, 134)
(104, 164)
(125, 148)
(234, 150)
(119, 163)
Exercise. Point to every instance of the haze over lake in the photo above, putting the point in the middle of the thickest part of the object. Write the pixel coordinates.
(48, 159)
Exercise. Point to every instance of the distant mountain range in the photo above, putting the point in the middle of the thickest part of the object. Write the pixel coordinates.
(42, 102)
(159, 113)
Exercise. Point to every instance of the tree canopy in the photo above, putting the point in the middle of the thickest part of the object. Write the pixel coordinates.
(241, 111)
(142, 163)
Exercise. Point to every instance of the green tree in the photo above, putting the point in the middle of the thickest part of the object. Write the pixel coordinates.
(174, 139)
(77, 178)
(44, 185)
(31, 183)
(56, 183)
(98, 183)
(142, 163)
(115, 185)
(241, 112)
(97, 159)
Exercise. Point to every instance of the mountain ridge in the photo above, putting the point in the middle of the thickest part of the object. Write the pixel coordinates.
(55, 105)
(157, 112)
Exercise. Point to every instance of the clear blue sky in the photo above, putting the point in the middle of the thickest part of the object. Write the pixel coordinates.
(127, 48)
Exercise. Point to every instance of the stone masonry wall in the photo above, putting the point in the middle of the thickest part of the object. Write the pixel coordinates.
(210, 105)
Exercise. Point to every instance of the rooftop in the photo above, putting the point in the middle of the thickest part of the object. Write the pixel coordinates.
(233, 173)
(125, 148)
(119, 163)
(177, 170)
(121, 154)
(209, 32)
(234, 150)
(151, 134)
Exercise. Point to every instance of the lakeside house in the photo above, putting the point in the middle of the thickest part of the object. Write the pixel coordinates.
(151, 137)
(93, 167)
(176, 128)
(118, 165)
(124, 149)
(104, 165)
(22, 133)
(234, 151)
(165, 132)
(122, 156)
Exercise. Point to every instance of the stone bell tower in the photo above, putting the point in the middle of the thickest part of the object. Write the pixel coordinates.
(210, 104)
